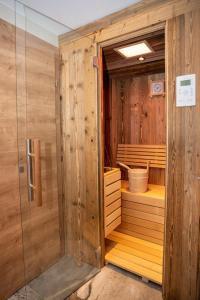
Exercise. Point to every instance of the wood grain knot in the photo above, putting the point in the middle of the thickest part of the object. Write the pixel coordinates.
(80, 85)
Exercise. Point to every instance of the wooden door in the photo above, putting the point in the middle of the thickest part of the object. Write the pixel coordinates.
(181, 271)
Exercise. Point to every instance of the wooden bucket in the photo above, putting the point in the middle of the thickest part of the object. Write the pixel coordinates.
(138, 180)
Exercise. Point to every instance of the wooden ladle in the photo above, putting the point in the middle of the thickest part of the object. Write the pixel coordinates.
(124, 166)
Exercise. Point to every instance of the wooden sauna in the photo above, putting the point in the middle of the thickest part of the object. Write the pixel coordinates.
(135, 134)
(91, 109)
(84, 136)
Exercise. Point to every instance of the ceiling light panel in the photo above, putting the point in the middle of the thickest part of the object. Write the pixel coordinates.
(135, 49)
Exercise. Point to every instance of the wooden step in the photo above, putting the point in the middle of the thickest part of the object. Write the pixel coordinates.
(125, 249)
(136, 243)
(135, 255)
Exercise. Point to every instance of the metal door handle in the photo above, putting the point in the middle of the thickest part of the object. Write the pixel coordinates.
(34, 171)
(29, 169)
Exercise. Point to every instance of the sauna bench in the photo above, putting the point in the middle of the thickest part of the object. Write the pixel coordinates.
(136, 244)
(143, 213)
(154, 196)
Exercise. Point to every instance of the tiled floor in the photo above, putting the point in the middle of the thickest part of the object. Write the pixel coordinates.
(113, 283)
(25, 293)
(58, 282)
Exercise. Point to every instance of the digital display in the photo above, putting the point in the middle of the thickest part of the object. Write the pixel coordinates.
(185, 82)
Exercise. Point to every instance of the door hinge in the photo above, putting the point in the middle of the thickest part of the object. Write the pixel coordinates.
(95, 61)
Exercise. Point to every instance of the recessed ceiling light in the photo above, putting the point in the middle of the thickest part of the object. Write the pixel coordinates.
(134, 49)
(141, 58)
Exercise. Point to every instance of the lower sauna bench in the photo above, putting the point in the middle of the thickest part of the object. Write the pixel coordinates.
(137, 244)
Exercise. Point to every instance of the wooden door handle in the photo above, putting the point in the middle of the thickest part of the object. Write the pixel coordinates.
(37, 182)
(34, 171)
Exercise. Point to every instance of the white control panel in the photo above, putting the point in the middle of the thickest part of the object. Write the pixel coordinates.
(186, 90)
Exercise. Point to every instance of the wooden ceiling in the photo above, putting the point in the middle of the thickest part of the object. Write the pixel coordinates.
(117, 65)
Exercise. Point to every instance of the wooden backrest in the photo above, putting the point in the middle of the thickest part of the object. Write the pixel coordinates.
(139, 155)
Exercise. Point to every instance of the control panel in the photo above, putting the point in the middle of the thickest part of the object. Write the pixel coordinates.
(186, 90)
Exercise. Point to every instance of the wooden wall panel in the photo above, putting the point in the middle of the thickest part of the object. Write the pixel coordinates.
(11, 250)
(135, 117)
(181, 275)
(135, 17)
(80, 151)
(182, 263)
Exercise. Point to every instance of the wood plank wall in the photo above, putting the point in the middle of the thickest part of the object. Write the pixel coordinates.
(11, 250)
(183, 200)
(133, 117)
(182, 276)
(80, 145)
(28, 110)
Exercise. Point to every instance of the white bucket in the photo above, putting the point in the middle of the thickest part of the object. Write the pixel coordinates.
(138, 180)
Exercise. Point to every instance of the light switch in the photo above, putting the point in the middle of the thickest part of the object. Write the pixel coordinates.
(186, 90)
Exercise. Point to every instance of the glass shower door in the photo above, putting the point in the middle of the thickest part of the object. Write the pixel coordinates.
(37, 58)
(11, 246)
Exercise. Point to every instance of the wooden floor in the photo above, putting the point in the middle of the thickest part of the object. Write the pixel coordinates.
(135, 255)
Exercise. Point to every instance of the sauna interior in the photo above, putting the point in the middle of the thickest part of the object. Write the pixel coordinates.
(134, 131)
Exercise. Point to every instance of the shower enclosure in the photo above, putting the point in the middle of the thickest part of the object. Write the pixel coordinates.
(32, 222)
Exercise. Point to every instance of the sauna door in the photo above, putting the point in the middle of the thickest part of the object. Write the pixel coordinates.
(37, 95)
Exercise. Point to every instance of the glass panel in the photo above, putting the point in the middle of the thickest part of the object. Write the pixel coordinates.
(38, 101)
(11, 249)
(33, 259)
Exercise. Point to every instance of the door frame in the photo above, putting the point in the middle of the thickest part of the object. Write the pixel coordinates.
(100, 46)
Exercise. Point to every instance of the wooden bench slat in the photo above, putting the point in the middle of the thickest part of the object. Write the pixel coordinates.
(112, 197)
(143, 161)
(114, 215)
(132, 156)
(113, 187)
(112, 207)
(109, 228)
(144, 165)
(161, 151)
(142, 146)
(139, 155)
(145, 223)
(130, 152)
